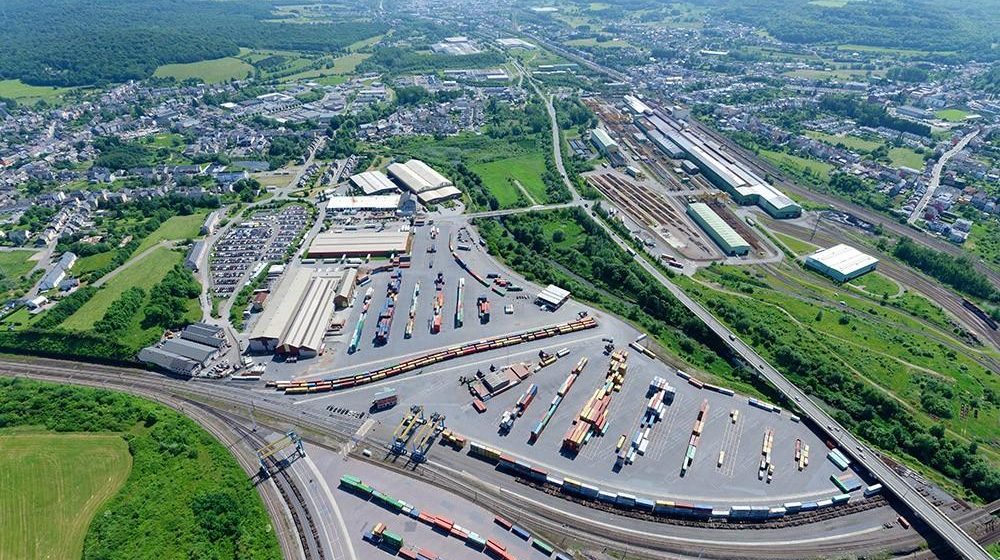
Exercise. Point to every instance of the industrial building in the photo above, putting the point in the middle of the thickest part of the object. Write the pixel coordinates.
(198, 344)
(422, 180)
(297, 320)
(196, 255)
(841, 262)
(636, 105)
(724, 170)
(346, 290)
(359, 243)
(373, 182)
(552, 297)
(724, 236)
(603, 142)
(388, 203)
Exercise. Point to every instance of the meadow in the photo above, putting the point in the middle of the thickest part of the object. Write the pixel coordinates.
(209, 71)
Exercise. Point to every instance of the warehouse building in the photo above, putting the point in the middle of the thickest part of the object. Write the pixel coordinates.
(388, 203)
(196, 255)
(604, 144)
(346, 290)
(297, 320)
(422, 180)
(373, 182)
(552, 297)
(169, 361)
(841, 262)
(724, 236)
(190, 349)
(359, 243)
(724, 170)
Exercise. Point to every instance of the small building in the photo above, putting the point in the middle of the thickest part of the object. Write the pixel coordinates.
(603, 142)
(346, 290)
(725, 237)
(36, 302)
(841, 262)
(52, 278)
(205, 329)
(552, 297)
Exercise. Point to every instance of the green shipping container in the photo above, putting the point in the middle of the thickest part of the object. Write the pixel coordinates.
(543, 546)
(392, 538)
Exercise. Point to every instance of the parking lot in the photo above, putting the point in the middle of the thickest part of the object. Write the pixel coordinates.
(264, 237)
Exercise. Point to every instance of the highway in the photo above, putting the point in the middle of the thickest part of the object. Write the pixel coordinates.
(918, 210)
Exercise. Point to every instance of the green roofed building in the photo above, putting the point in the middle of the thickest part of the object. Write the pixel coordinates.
(724, 236)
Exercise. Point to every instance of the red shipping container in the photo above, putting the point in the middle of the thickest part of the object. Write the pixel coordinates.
(407, 553)
(502, 522)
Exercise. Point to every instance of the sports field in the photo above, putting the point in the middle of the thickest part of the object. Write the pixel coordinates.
(53, 484)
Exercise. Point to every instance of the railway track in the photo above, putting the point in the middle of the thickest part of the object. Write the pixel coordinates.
(550, 521)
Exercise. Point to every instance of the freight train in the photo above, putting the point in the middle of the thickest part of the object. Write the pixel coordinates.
(494, 343)
(978, 312)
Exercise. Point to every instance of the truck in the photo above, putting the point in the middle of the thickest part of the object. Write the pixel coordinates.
(506, 421)
(384, 400)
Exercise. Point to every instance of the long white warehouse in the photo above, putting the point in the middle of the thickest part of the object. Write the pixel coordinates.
(296, 321)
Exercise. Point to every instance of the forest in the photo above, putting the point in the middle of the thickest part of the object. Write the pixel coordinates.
(957, 272)
(95, 42)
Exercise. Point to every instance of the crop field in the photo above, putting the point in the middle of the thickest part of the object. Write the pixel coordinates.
(592, 42)
(851, 142)
(144, 274)
(53, 485)
(340, 67)
(176, 228)
(14, 264)
(27, 94)
(906, 157)
(209, 71)
(527, 169)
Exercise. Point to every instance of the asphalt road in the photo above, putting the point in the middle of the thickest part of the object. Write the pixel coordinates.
(918, 210)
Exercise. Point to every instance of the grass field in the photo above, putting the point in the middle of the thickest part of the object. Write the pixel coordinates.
(801, 164)
(209, 71)
(952, 115)
(144, 274)
(851, 142)
(592, 42)
(342, 66)
(905, 157)
(29, 95)
(53, 484)
(175, 229)
(527, 169)
(91, 263)
(14, 264)
(795, 245)
(838, 74)
(876, 284)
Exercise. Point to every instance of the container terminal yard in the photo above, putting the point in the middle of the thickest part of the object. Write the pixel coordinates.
(432, 403)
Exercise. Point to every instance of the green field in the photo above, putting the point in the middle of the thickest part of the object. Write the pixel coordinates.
(144, 274)
(163, 487)
(592, 42)
(905, 157)
(14, 264)
(952, 115)
(795, 245)
(877, 284)
(208, 71)
(851, 142)
(93, 262)
(53, 484)
(498, 176)
(781, 159)
(342, 66)
(23, 93)
(176, 228)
